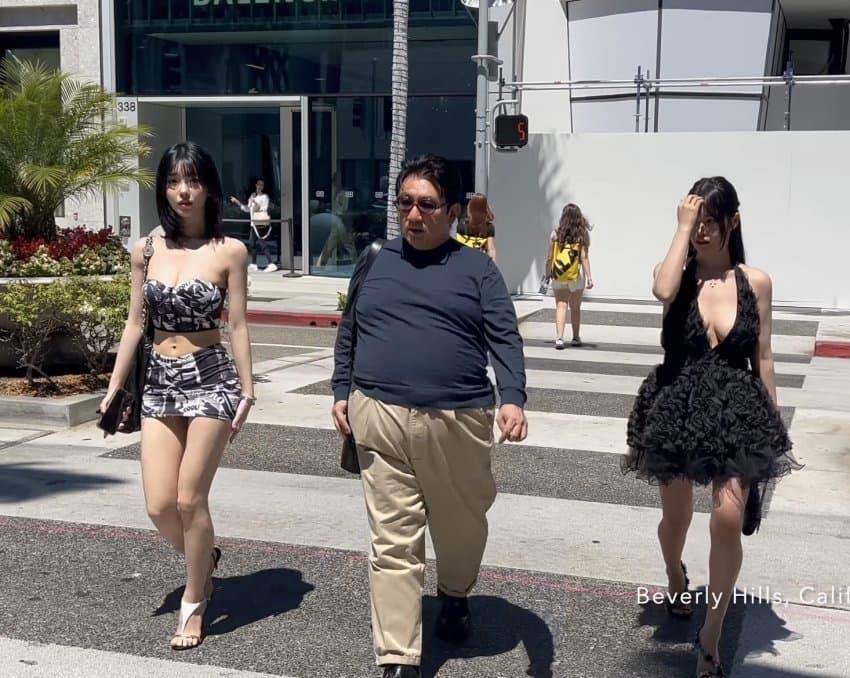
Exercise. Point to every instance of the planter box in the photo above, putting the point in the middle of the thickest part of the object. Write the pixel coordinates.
(68, 411)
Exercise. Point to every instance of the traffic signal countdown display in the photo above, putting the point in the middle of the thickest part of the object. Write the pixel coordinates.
(511, 131)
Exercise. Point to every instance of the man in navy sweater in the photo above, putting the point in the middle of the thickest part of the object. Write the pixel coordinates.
(421, 407)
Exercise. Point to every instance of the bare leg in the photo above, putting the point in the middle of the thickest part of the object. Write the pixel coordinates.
(575, 312)
(163, 441)
(205, 444)
(727, 518)
(562, 300)
(677, 506)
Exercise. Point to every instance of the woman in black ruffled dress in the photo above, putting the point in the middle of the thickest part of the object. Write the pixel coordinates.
(708, 414)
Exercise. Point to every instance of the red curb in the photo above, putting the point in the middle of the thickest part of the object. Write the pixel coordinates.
(832, 349)
(295, 318)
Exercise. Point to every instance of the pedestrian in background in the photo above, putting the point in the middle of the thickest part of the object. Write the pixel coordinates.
(477, 230)
(257, 208)
(568, 264)
(708, 415)
(421, 408)
(196, 398)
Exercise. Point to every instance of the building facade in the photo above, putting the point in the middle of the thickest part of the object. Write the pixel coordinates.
(294, 91)
(584, 147)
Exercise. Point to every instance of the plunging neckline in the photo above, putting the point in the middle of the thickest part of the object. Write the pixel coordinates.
(702, 323)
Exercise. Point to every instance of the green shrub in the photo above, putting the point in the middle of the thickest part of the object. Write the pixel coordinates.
(91, 312)
(99, 310)
(35, 312)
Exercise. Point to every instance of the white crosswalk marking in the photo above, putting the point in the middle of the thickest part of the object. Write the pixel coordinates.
(567, 521)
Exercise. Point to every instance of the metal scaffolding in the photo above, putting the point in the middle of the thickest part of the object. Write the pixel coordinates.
(645, 87)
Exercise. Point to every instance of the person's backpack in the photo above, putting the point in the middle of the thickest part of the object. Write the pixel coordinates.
(476, 242)
(566, 261)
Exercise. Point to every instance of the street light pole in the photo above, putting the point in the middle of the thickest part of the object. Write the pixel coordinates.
(481, 98)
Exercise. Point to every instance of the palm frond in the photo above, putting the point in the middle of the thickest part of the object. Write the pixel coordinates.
(11, 208)
(60, 139)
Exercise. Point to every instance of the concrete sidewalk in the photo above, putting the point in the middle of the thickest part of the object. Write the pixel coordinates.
(311, 300)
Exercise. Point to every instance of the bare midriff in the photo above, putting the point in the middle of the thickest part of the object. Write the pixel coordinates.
(174, 345)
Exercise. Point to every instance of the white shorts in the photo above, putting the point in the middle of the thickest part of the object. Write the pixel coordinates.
(576, 285)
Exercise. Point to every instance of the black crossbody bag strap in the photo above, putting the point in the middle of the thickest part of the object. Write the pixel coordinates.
(348, 458)
(356, 284)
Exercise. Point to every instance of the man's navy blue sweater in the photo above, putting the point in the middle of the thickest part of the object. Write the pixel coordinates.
(425, 323)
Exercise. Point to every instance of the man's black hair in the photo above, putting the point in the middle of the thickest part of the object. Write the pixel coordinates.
(441, 173)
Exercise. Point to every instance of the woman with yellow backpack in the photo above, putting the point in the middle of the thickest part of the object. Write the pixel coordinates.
(568, 267)
(477, 230)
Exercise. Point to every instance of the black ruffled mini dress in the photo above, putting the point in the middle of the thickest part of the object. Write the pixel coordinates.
(703, 415)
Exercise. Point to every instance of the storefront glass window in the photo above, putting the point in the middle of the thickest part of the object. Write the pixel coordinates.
(204, 47)
(245, 144)
(41, 47)
(349, 147)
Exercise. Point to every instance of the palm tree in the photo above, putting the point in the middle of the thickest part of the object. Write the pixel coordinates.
(398, 140)
(58, 141)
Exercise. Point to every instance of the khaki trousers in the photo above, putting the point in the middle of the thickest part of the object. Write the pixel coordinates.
(420, 465)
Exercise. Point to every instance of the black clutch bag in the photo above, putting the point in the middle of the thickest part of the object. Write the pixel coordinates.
(110, 418)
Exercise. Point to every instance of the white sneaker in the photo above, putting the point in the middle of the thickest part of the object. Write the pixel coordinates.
(252, 268)
(271, 268)
(559, 344)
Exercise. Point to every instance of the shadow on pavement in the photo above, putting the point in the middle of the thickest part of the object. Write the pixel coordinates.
(244, 600)
(669, 630)
(22, 482)
(498, 627)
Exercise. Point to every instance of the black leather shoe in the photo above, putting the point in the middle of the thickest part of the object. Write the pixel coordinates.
(454, 625)
(400, 671)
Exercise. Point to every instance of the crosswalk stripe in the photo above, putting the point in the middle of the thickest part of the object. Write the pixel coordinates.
(24, 659)
(650, 336)
(591, 355)
(628, 386)
(807, 327)
(812, 315)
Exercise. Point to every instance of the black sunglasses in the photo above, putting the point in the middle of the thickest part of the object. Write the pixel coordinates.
(426, 206)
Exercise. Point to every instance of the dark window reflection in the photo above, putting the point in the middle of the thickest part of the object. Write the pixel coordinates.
(349, 147)
(192, 47)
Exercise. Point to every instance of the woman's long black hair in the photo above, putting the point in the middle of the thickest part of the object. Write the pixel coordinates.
(191, 161)
(720, 201)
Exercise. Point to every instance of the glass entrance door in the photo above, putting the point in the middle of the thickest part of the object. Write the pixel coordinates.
(250, 144)
(349, 144)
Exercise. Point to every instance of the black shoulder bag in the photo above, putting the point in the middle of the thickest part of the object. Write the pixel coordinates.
(124, 412)
(348, 458)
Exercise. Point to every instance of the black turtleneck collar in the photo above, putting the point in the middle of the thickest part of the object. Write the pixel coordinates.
(437, 255)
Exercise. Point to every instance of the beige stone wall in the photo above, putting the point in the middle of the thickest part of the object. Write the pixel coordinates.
(80, 55)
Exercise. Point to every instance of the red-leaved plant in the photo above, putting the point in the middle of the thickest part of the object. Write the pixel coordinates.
(68, 243)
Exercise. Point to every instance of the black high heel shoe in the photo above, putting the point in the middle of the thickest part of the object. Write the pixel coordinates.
(716, 670)
(675, 605)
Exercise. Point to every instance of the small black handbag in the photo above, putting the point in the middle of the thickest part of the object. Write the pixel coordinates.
(124, 412)
(348, 458)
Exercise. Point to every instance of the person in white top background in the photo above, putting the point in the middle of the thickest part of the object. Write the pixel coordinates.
(261, 228)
